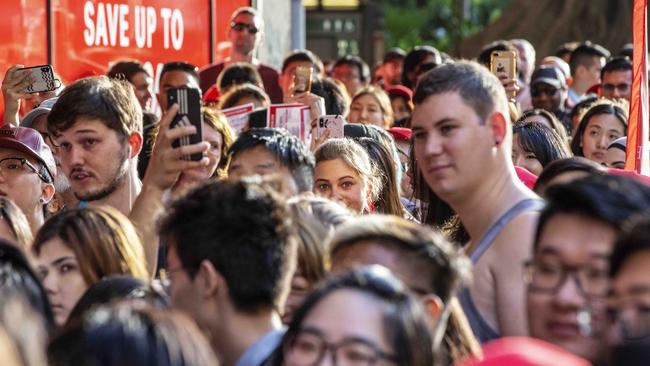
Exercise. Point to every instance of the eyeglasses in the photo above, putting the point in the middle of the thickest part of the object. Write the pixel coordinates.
(308, 347)
(13, 167)
(537, 92)
(252, 29)
(47, 137)
(623, 87)
(546, 277)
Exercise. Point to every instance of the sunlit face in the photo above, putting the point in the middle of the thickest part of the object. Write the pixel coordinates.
(592, 73)
(59, 271)
(93, 158)
(601, 130)
(450, 144)
(336, 180)
(260, 161)
(615, 158)
(366, 110)
(340, 317)
(572, 241)
(244, 41)
(631, 297)
(174, 79)
(350, 76)
(525, 159)
(195, 176)
(617, 84)
(142, 86)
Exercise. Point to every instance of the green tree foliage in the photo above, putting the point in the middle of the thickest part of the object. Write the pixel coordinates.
(441, 23)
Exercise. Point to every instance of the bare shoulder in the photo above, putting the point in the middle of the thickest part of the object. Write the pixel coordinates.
(515, 241)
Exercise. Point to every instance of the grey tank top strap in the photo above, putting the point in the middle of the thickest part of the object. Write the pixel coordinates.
(482, 330)
(529, 204)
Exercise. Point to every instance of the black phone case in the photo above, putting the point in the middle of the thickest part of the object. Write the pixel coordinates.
(189, 112)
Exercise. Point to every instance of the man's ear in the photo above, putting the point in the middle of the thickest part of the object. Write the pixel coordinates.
(499, 125)
(433, 306)
(47, 192)
(135, 141)
(210, 280)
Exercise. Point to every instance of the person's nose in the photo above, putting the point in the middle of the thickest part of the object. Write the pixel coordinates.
(569, 294)
(603, 141)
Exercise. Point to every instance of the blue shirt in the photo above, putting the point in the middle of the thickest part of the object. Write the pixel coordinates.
(262, 349)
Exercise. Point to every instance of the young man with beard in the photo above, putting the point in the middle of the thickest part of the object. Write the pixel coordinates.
(462, 140)
(97, 122)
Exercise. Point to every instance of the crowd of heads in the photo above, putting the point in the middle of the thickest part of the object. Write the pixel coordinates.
(458, 206)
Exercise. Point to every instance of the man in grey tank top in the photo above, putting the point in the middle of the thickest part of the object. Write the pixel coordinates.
(463, 143)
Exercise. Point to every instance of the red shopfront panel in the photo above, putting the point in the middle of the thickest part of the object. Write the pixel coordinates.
(88, 35)
(23, 35)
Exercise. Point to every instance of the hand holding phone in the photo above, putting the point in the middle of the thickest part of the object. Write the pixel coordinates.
(333, 124)
(42, 79)
(189, 113)
(503, 64)
(301, 80)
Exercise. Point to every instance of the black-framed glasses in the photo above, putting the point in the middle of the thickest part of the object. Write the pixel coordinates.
(12, 167)
(48, 137)
(308, 347)
(622, 87)
(537, 92)
(238, 26)
(547, 277)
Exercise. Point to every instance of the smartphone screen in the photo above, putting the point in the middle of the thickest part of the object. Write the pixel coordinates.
(302, 79)
(189, 113)
(44, 79)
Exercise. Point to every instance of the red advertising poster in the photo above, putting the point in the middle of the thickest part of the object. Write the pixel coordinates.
(88, 35)
(23, 35)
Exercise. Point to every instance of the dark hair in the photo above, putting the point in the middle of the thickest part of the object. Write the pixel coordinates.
(336, 98)
(237, 74)
(555, 123)
(126, 70)
(302, 55)
(413, 59)
(632, 240)
(478, 88)
(243, 229)
(404, 320)
(560, 166)
(603, 106)
(287, 148)
(566, 49)
(618, 63)
(354, 61)
(580, 107)
(539, 139)
(129, 335)
(485, 56)
(110, 100)
(234, 95)
(180, 66)
(584, 54)
(388, 200)
(611, 199)
(18, 278)
(114, 288)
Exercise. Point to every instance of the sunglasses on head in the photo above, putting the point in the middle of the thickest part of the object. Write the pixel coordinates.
(252, 29)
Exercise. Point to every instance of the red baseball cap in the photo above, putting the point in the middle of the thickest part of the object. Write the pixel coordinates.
(401, 133)
(30, 142)
(401, 91)
(522, 351)
(211, 95)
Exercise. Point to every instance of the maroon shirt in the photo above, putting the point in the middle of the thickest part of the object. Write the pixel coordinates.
(269, 76)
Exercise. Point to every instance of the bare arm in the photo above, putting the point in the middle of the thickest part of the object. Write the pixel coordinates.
(165, 167)
(13, 85)
(514, 246)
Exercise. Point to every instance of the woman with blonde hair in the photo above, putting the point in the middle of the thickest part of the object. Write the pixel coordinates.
(345, 173)
(14, 226)
(78, 248)
(371, 105)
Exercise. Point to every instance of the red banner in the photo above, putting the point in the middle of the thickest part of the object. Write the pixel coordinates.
(637, 131)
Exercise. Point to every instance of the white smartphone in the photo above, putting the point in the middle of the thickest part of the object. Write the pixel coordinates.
(333, 123)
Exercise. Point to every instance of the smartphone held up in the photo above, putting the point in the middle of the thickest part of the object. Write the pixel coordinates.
(42, 79)
(189, 114)
(504, 63)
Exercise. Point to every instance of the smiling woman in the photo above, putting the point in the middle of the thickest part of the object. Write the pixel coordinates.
(78, 248)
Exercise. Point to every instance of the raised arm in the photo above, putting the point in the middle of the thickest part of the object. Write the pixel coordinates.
(13, 86)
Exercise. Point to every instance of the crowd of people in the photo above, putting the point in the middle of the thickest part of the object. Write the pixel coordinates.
(464, 218)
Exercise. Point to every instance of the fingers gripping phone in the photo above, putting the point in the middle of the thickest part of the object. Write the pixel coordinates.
(189, 113)
(43, 78)
(333, 123)
(504, 62)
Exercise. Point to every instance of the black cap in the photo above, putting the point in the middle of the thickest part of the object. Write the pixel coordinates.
(550, 75)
